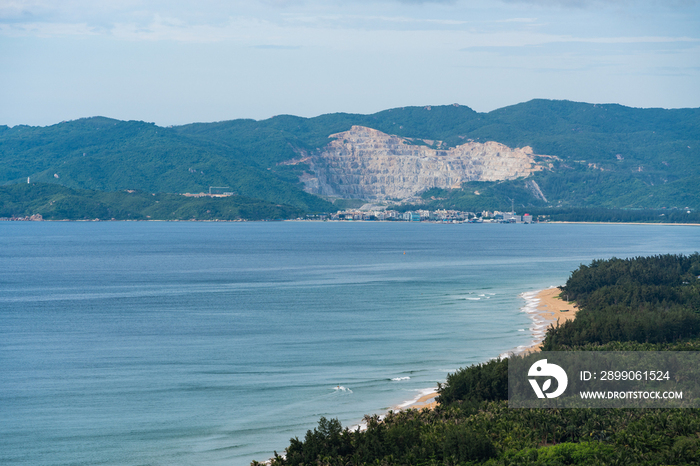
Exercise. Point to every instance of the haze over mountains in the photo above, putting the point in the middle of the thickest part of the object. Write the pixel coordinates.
(535, 154)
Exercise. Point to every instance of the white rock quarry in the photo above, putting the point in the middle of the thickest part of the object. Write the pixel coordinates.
(364, 163)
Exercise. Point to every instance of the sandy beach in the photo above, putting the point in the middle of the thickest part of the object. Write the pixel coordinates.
(550, 309)
(424, 402)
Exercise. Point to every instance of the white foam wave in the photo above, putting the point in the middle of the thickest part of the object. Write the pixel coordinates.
(398, 379)
(539, 328)
(421, 393)
(340, 388)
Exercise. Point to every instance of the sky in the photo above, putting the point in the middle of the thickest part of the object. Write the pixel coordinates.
(174, 62)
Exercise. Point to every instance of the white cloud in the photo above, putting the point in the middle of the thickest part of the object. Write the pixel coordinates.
(210, 58)
(631, 4)
(638, 40)
(517, 20)
(47, 30)
(165, 20)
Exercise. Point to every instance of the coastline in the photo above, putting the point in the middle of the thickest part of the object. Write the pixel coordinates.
(545, 308)
(28, 218)
(622, 223)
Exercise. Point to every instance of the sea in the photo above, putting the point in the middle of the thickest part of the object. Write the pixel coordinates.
(205, 343)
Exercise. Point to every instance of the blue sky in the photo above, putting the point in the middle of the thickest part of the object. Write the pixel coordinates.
(179, 61)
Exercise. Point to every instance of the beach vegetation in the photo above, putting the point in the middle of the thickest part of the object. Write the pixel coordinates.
(482, 382)
(645, 299)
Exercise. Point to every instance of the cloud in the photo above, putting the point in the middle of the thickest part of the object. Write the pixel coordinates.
(447, 24)
(276, 47)
(567, 3)
(161, 28)
(427, 1)
(517, 20)
(632, 4)
(47, 30)
(543, 39)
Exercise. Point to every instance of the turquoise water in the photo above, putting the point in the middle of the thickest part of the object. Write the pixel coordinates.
(214, 343)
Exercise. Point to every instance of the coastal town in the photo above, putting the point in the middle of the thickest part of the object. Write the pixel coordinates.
(435, 216)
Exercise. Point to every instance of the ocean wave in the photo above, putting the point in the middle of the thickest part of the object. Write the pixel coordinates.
(421, 393)
(538, 330)
(340, 388)
(398, 379)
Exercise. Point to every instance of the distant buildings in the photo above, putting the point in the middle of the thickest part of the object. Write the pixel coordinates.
(214, 191)
(437, 216)
(411, 216)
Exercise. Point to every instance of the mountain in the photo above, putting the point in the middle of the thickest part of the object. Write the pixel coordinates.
(367, 164)
(111, 155)
(537, 154)
(55, 202)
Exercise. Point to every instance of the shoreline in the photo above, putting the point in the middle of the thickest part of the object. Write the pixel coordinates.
(622, 223)
(544, 307)
(238, 220)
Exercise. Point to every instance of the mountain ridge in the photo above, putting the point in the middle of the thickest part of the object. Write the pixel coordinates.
(609, 155)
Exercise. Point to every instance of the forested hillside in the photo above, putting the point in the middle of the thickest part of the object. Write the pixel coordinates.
(610, 156)
(641, 304)
(109, 155)
(54, 202)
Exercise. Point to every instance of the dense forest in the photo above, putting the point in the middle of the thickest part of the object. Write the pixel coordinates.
(639, 304)
(55, 202)
(610, 156)
(616, 215)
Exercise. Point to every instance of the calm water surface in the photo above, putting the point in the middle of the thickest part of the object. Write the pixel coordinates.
(214, 343)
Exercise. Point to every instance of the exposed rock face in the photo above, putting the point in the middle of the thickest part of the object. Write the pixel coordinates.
(365, 163)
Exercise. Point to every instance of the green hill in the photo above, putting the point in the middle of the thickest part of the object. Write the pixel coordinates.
(55, 202)
(110, 155)
(611, 156)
